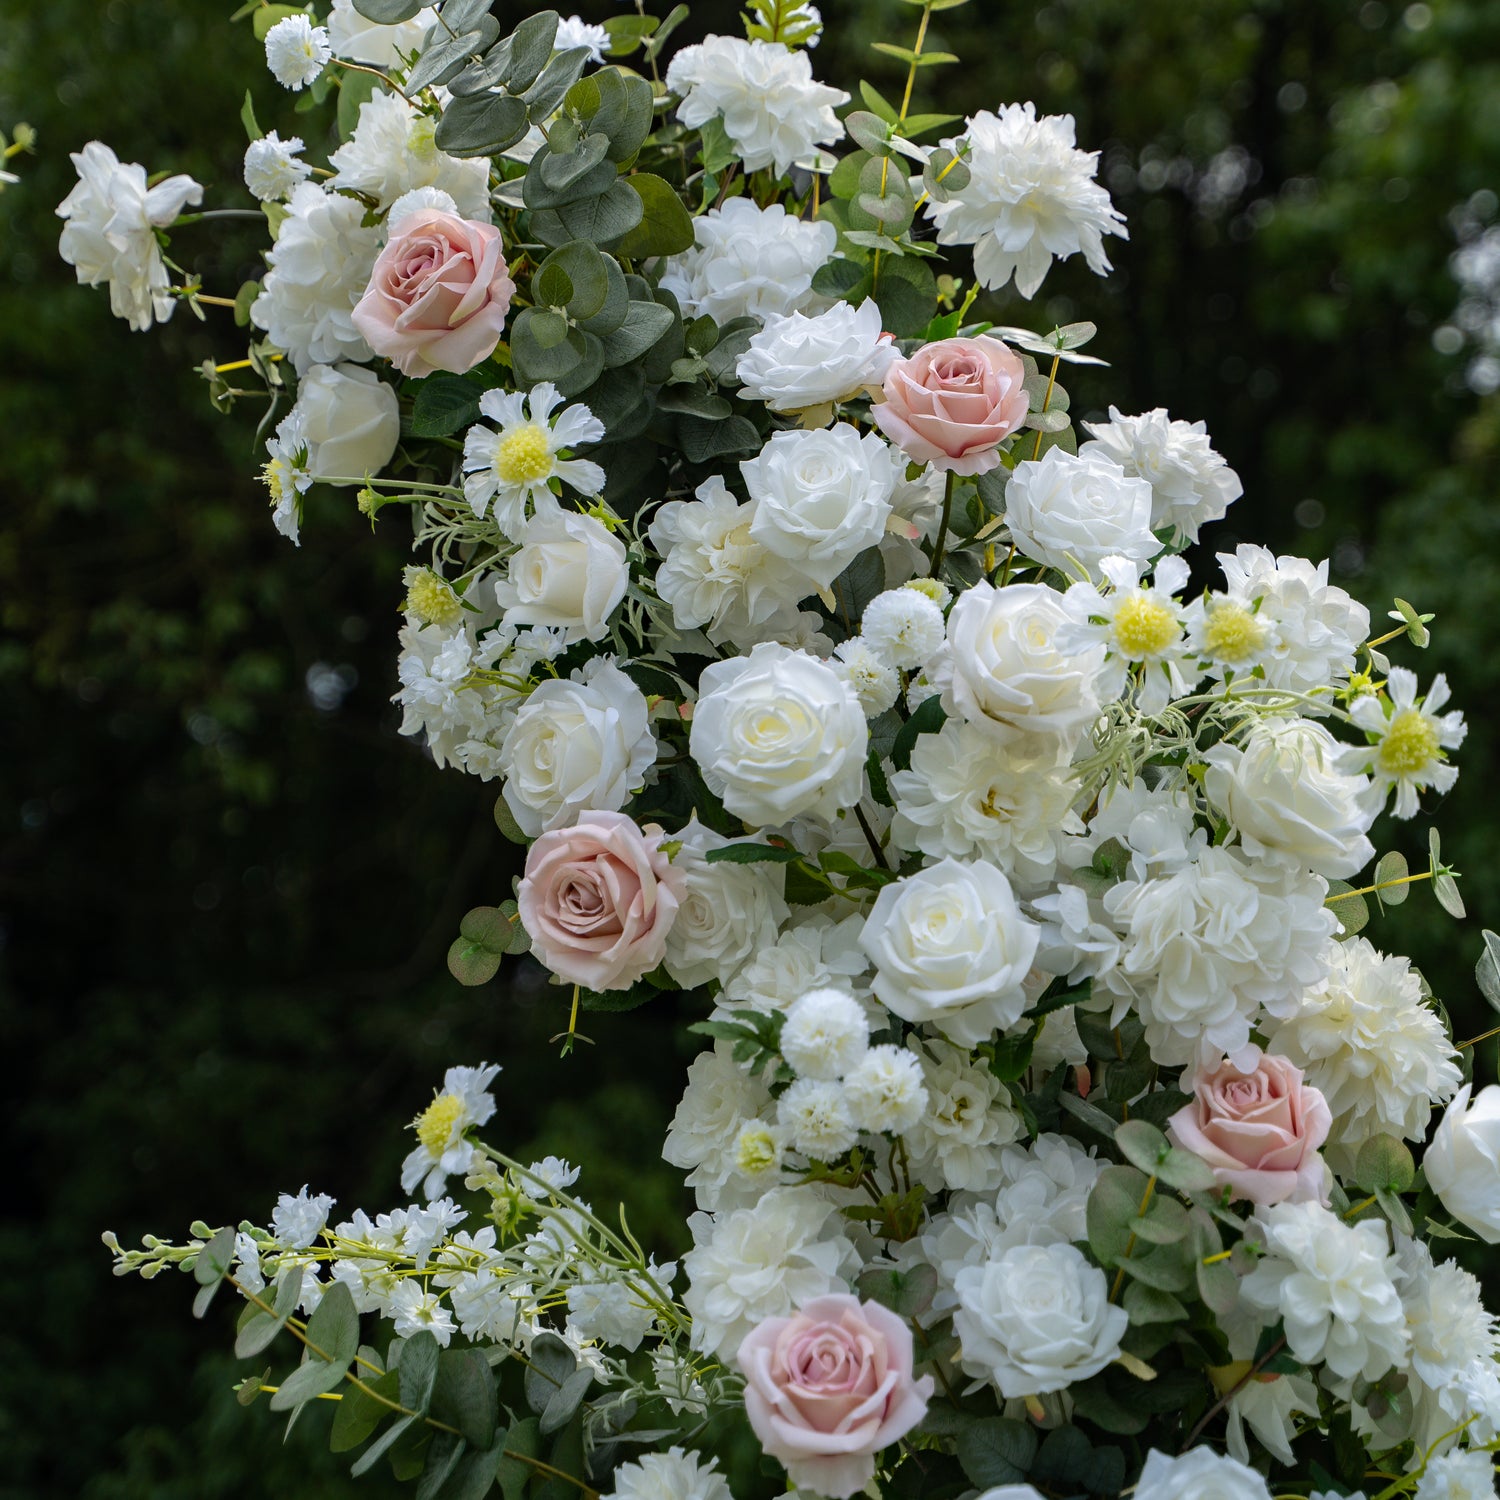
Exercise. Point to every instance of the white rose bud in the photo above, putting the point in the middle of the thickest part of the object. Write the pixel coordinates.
(952, 949)
(570, 571)
(1284, 792)
(353, 422)
(796, 362)
(578, 744)
(1463, 1161)
(777, 734)
(1086, 508)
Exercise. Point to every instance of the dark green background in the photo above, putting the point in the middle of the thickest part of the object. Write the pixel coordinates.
(223, 909)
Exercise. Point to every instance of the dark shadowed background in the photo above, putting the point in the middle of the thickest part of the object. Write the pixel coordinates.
(227, 884)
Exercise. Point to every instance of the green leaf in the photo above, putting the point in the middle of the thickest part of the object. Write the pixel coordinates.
(463, 1395)
(1392, 867)
(1099, 1402)
(262, 20)
(333, 1328)
(872, 132)
(1144, 1146)
(929, 717)
(906, 292)
(211, 1264)
(447, 55)
(703, 438)
(666, 227)
(419, 1365)
(551, 1363)
(566, 1400)
(531, 45)
(1384, 1162)
(907, 1293)
(1416, 628)
(445, 404)
(645, 323)
(558, 172)
(1113, 1204)
(573, 277)
(357, 1416)
(560, 74)
(387, 12)
(1445, 888)
(1487, 970)
(626, 33)
(525, 1441)
(472, 1479)
(355, 91)
(751, 854)
(372, 1455)
(443, 1454)
(997, 1451)
(1351, 909)
(1146, 1304)
(1394, 1209)
(1097, 1120)
(877, 103)
(716, 150)
(247, 118)
(1012, 1056)
(258, 1332)
(481, 125)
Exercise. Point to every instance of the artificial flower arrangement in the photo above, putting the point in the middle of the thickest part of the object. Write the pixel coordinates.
(1055, 1128)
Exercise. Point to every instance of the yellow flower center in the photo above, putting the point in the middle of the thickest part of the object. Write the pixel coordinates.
(1232, 634)
(433, 601)
(523, 456)
(434, 1126)
(1144, 626)
(756, 1152)
(278, 477)
(1410, 744)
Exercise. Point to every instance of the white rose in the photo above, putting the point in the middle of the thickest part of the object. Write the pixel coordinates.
(352, 36)
(353, 422)
(1003, 669)
(798, 362)
(1081, 507)
(778, 734)
(1198, 1474)
(569, 571)
(821, 498)
(1463, 1161)
(578, 744)
(1284, 792)
(952, 949)
(1036, 1320)
(729, 911)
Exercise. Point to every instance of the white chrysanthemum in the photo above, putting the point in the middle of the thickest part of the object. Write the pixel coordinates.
(825, 1033)
(1206, 947)
(757, 1153)
(574, 31)
(816, 954)
(515, 466)
(875, 681)
(1334, 1286)
(905, 626)
(966, 797)
(797, 362)
(958, 1142)
(1191, 485)
(1364, 1037)
(674, 1475)
(885, 1092)
(1408, 740)
(773, 110)
(297, 1222)
(273, 168)
(392, 152)
(1198, 1474)
(727, 913)
(1031, 198)
(287, 473)
(319, 268)
(749, 261)
(760, 1262)
(358, 39)
(1466, 1475)
(110, 232)
(297, 51)
(816, 1118)
(702, 1138)
(1071, 511)
(441, 1150)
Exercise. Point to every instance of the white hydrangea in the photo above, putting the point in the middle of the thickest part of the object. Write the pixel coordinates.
(720, 1097)
(358, 39)
(760, 1262)
(1409, 738)
(1465, 1475)
(825, 1033)
(1031, 198)
(797, 362)
(905, 626)
(773, 110)
(816, 1118)
(1334, 1286)
(676, 1474)
(958, 1142)
(273, 167)
(319, 268)
(392, 152)
(1071, 511)
(875, 681)
(750, 262)
(884, 1091)
(1366, 1039)
(1191, 485)
(297, 1222)
(297, 51)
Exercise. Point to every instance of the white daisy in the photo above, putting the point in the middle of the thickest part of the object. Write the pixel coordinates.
(287, 473)
(441, 1150)
(1407, 739)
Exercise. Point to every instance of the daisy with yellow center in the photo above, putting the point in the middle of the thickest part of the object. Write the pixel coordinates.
(442, 1128)
(286, 473)
(516, 466)
(1408, 740)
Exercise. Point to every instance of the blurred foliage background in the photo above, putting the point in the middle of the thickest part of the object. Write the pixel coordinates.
(227, 884)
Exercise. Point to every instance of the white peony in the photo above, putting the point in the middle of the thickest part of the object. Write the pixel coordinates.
(726, 913)
(109, 234)
(353, 422)
(1030, 198)
(821, 498)
(1070, 511)
(958, 1142)
(774, 112)
(797, 362)
(354, 37)
(1198, 1474)
(319, 268)
(815, 954)
(951, 949)
(825, 1033)
(297, 51)
(1364, 1037)
(392, 152)
(719, 1100)
(273, 167)
(1004, 669)
(1283, 790)
(885, 1092)
(1463, 1161)
(905, 626)
(1036, 1320)
(750, 262)
(569, 572)
(677, 1474)
(1334, 1286)
(777, 734)
(1191, 485)
(578, 744)
(760, 1262)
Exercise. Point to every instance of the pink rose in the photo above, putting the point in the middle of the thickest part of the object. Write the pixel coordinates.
(598, 900)
(438, 295)
(828, 1388)
(1258, 1128)
(954, 402)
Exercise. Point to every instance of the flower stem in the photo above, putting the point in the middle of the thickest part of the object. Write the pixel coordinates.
(942, 536)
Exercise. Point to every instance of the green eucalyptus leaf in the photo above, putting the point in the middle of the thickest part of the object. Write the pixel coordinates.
(1487, 970)
(419, 1365)
(704, 439)
(211, 1264)
(531, 46)
(445, 404)
(551, 1363)
(907, 1293)
(566, 1400)
(665, 227)
(1384, 1162)
(357, 1415)
(388, 12)
(463, 1395)
(377, 1450)
(560, 74)
(558, 172)
(445, 56)
(1113, 1204)
(355, 91)
(481, 125)
(644, 324)
(443, 1454)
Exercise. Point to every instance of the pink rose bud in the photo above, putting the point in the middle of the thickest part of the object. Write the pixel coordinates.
(438, 295)
(954, 402)
(828, 1388)
(598, 900)
(1258, 1128)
